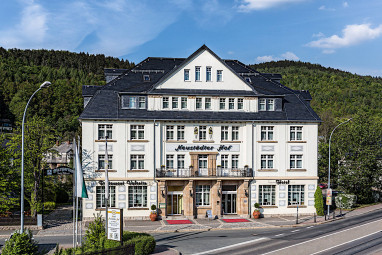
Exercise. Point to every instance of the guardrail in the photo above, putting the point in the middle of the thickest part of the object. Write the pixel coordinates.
(204, 172)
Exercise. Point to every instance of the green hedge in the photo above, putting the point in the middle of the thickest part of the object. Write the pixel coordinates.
(144, 245)
(50, 206)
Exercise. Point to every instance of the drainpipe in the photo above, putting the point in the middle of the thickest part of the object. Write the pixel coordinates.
(253, 167)
(154, 157)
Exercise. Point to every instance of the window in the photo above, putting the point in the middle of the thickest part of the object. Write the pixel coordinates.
(266, 161)
(197, 73)
(224, 161)
(137, 132)
(100, 197)
(102, 163)
(219, 75)
(208, 73)
(137, 162)
(202, 159)
(199, 103)
(169, 161)
(186, 74)
(207, 103)
(202, 132)
(296, 194)
(169, 132)
(262, 104)
(165, 102)
(270, 105)
(202, 195)
(132, 102)
(146, 77)
(235, 133)
(295, 161)
(180, 161)
(248, 79)
(267, 194)
(180, 132)
(142, 103)
(222, 104)
(295, 133)
(104, 131)
(183, 102)
(137, 196)
(266, 133)
(235, 161)
(174, 102)
(224, 133)
(240, 103)
(231, 103)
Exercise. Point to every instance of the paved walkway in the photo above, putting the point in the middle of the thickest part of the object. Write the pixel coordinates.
(59, 223)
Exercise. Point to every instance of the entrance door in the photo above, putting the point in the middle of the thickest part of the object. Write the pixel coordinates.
(174, 203)
(229, 202)
(202, 163)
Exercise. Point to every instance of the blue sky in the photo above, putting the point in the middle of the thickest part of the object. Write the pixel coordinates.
(341, 34)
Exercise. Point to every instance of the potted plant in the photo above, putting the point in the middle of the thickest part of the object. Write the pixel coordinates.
(153, 214)
(256, 213)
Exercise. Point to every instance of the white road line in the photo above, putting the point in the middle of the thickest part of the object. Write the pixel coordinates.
(346, 242)
(335, 233)
(295, 230)
(231, 246)
(311, 227)
(279, 235)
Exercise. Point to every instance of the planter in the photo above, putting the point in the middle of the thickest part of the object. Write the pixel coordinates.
(153, 216)
(256, 214)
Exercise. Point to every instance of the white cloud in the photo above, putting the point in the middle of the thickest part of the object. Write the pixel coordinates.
(285, 56)
(345, 4)
(111, 27)
(250, 5)
(324, 8)
(318, 35)
(351, 35)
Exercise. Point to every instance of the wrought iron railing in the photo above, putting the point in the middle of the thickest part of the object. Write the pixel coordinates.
(204, 172)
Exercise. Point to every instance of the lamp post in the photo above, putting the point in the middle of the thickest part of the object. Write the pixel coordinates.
(330, 138)
(44, 85)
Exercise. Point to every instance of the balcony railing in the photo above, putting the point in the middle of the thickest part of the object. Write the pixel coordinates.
(204, 172)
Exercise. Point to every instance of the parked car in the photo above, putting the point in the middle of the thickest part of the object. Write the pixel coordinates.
(323, 185)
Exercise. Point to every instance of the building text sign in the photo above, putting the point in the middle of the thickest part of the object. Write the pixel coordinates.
(203, 147)
(115, 224)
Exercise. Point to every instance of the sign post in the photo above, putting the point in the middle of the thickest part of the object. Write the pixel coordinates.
(115, 225)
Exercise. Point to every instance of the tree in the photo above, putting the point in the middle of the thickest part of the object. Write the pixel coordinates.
(20, 244)
(38, 139)
(318, 202)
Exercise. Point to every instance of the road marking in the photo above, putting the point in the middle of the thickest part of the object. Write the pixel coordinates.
(311, 227)
(335, 233)
(295, 230)
(279, 235)
(231, 246)
(346, 242)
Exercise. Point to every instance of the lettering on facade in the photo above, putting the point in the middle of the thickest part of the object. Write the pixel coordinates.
(282, 181)
(203, 148)
(121, 183)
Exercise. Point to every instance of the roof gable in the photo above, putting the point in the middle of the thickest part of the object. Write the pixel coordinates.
(203, 58)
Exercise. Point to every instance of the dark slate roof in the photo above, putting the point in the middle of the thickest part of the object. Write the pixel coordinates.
(105, 103)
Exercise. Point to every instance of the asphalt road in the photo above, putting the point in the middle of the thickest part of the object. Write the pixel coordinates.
(319, 239)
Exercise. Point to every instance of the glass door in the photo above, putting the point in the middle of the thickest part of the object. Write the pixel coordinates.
(202, 164)
(174, 203)
(229, 202)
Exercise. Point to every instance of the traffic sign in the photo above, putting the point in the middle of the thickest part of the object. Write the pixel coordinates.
(62, 170)
(328, 200)
(329, 192)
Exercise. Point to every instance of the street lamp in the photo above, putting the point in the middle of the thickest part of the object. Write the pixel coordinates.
(330, 138)
(44, 85)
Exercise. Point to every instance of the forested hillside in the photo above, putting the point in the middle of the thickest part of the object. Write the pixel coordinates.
(22, 72)
(336, 94)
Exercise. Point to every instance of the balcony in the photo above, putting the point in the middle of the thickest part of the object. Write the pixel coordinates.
(205, 172)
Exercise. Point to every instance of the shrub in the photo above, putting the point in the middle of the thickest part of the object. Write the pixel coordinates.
(95, 234)
(319, 202)
(144, 245)
(50, 206)
(346, 201)
(20, 244)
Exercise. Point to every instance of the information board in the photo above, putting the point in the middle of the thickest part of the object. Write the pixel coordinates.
(115, 224)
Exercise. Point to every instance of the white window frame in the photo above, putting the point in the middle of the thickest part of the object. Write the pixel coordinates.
(296, 195)
(295, 161)
(295, 133)
(170, 132)
(137, 132)
(267, 133)
(235, 161)
(202, 133)
(186, 74)
(267, 191)
(203, 195)
(137, 196)
(224, 133)
(141, 101)
(137, 162)
(262, 104)
(235, 133)
(174, 102)
(180, 133)
(208, 73)
(169, 161)
(180, 161)
(240, 104)
(207, 103)
(100, 197)
(267, 161)
(199, 103)
(270, 104)
(219, 75)
(224, 159)
(231, 103)
(198, 73)
(102, 163)
(183, 102)
(165, 102)
(105, 130)
(222, 103)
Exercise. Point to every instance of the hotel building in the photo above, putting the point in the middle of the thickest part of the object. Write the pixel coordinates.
(196, 134)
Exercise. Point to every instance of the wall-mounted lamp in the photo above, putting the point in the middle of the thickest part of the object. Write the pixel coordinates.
(163, 195)
(246, 193)
(219, 194)
(191, 193)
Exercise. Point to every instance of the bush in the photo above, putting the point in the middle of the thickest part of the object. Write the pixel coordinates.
(50, 206)
(144, 245)
(95, 235)
(319, 202)
(20, 244)
(346, 201)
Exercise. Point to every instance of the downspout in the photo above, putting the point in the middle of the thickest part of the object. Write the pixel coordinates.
(253, 167)
(154, 157)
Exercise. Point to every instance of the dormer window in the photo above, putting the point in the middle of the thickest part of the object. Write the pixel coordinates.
(248, 79)
(208, 73)
(133, 102)
(270, 105)
(165, 102)
(146, 77)
(197, 73)
(186, 74)
(266, 104)
(219, 75)
(262, 104)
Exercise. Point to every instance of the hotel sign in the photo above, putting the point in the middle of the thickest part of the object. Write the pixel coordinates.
(203, 147)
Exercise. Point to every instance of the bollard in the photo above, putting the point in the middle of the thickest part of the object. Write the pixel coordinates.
(314, 216)
(297, 216)
(325, 216)
(334, 215)
(341, 211)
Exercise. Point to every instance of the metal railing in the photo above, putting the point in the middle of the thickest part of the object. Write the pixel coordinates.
(204, 172)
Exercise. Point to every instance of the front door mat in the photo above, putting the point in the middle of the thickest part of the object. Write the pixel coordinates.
(179, 222)
(235, 220)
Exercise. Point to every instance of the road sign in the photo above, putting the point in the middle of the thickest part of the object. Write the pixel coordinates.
(328, 192)
(115, 224)
(62, 170)
(328, 200)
